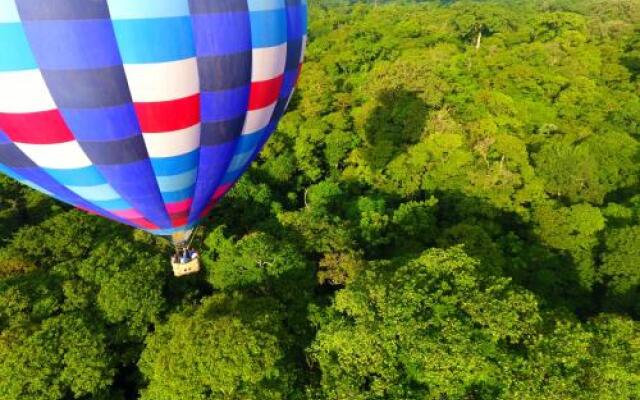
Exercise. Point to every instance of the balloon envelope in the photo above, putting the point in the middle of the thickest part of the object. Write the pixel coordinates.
(143, 111)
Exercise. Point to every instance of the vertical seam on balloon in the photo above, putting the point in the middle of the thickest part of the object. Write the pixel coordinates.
(139, 126)
(263, 141)
(196, 213)
(252, 158)
(195, 185)
(101, 211)
(246, 113)
(273, 120)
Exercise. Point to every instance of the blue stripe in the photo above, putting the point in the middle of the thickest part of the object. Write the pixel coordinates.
(175, 165)
(220, 34)
(248, 142)
(102, 124)
(268, 28)
(224, 104)
(39, 10)
(179, 195)
(297, 22)
(145, 9)
(154, 40)
(88, 176)
(217, 6)
(288, 83)
(213, 161)
(225, 72)
(88, 88)
(60, 192)
(82, 44)
(13, 175)
(136, 183)
(15, 53)
(14, 157)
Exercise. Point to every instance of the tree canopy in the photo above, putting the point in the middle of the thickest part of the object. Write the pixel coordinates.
(449, 210)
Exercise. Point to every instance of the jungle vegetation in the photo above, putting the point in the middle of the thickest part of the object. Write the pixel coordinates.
(450, 210)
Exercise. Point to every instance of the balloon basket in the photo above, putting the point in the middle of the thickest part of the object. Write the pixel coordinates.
(188, 268)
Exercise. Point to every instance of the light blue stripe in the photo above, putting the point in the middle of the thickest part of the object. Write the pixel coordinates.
(164, 232)
(175, 165)
(268, 28)
(232, 176)
(88, 176)
(112, 205)
(174, 197)
(15, 52)
(95, 193)
(145, 9)
(240, 160)
(8, 11)
(38, 188)
(263, 5)
(177, 182)
(157, 40)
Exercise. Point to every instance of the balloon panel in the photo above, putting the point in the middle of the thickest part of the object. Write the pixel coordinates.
(145, 112)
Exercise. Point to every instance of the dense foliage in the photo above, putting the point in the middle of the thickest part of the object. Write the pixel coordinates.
(450, 210)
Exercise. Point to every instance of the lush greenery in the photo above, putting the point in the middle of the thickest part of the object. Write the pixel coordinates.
(450, 210)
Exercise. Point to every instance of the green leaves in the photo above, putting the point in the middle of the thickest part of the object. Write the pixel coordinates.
(427, 329)
(66, 353)
(230, 347)
(449, 210)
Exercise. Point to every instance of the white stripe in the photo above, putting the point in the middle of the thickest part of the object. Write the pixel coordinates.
(163, 81)
(147, 9)
(8, 11)
(258, 119)
(24, 92)
(171, 144)
(304, 48)
(268, 62)
(286, 107)
(66, 155)
(102, 192)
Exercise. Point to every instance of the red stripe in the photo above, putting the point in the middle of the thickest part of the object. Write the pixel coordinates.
(219, 193)
(179, 219)
(166, 116)
(207, 209)
(43, 127)
(143, 223)
(265, 93)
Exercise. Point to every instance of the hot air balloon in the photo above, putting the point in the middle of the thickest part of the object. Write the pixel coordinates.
(145, 112)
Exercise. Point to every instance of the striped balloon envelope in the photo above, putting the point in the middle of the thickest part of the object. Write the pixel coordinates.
(143, 111)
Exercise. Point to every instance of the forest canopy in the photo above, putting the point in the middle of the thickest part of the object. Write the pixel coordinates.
(449, 210)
